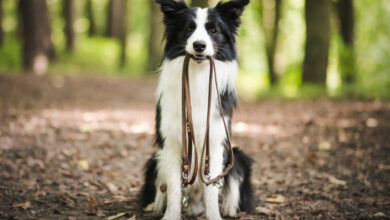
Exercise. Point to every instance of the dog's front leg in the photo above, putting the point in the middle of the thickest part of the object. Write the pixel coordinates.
(211, 191)
(170, 168)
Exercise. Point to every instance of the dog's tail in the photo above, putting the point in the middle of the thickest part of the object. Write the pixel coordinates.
(243, 170)
(148, 191)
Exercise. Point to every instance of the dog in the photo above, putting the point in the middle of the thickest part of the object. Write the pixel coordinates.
(200, 32)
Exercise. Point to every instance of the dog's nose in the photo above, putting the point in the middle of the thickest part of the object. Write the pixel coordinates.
(199, 46)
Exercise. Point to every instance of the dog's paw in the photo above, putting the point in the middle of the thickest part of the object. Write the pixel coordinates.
(213, 215)
(149, 208)
(171, 216)
(229, 213)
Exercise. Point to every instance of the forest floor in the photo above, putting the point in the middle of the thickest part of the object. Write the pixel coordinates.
(74, 148)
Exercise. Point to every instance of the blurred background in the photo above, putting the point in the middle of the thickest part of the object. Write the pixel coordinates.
(288, 48)
(77, 107)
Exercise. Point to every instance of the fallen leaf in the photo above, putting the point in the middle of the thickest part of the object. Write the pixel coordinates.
(276, 199)
(113, 189)
(132, 218)
(25, 205)
(112, 174)
(97, 184)
(371, 122)
(124, 153)
(34, 162)
(100, 213)
(116, 216)
(336, 181)
(383, 167)
(67, 152)
(85, 128)
(379, 214)
(342, 136)
(83, 164)
(120, 198)
(66, 173)
(324, 145)
(68, 201)
(264, 210)
(239, 215)
(92, 202)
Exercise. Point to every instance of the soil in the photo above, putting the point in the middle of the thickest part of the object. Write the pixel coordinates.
(74, 148)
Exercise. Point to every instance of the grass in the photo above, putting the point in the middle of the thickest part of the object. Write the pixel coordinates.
(100, 56)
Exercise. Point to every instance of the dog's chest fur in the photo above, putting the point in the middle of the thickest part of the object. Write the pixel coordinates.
(169, 93)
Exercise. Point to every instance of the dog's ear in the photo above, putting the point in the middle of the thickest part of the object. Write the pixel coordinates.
(232, 11)
(171, 8)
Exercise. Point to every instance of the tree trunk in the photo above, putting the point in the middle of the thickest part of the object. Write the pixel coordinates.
(200, 3)
(155, 37)
(271, 18)
(317, 41)
(347, 21)
(90, 17)
(347, 59)
(117, 25)
(1, 24)
(116, 14)
(38, 47)
(69, 14)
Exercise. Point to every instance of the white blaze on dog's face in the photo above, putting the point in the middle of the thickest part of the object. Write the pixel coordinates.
(200, 44)
(201, 32)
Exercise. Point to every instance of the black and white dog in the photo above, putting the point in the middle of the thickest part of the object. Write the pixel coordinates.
(201, 33)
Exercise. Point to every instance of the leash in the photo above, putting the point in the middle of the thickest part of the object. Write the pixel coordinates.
(188, 132)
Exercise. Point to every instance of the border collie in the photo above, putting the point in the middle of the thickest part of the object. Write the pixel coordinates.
(201, 33)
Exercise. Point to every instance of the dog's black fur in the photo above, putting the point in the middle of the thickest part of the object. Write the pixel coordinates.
(222, 25)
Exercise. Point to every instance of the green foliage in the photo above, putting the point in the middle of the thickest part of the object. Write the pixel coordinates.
(369, 61)
(373, 47)
(11, 56)
(96, 54)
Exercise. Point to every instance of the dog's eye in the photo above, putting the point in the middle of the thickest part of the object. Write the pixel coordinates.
(188, 30)
(213, 30)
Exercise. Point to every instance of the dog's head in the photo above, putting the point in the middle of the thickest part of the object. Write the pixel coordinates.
(201, 32)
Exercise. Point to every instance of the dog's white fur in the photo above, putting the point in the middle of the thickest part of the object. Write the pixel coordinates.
(169, 157)
(200, 34)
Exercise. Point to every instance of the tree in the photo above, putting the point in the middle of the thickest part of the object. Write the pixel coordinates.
(155, 37)
(346, 19)
(90, 17)
(317, 41)
(117, 25)
(1, 24)
(69, 15)
(200, 3)
(38, 47)
(271, 11)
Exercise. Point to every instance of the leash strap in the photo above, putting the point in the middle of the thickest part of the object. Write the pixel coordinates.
(206, 144)
(188, 131)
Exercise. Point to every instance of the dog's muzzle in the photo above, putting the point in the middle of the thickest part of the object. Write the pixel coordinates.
(199, 58)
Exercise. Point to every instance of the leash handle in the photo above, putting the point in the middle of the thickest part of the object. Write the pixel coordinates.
(188, 130)
(206, 144)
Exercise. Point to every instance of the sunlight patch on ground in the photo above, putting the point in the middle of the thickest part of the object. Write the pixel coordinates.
(124, 120)
(244, 128)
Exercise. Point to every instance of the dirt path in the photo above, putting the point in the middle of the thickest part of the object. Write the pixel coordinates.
(73, 148)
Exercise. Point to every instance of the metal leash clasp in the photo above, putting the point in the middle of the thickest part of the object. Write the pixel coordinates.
(185, 197)
(185, 175)
(219, 183)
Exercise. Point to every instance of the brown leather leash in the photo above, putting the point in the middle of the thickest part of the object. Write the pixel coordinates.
(188, 131)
